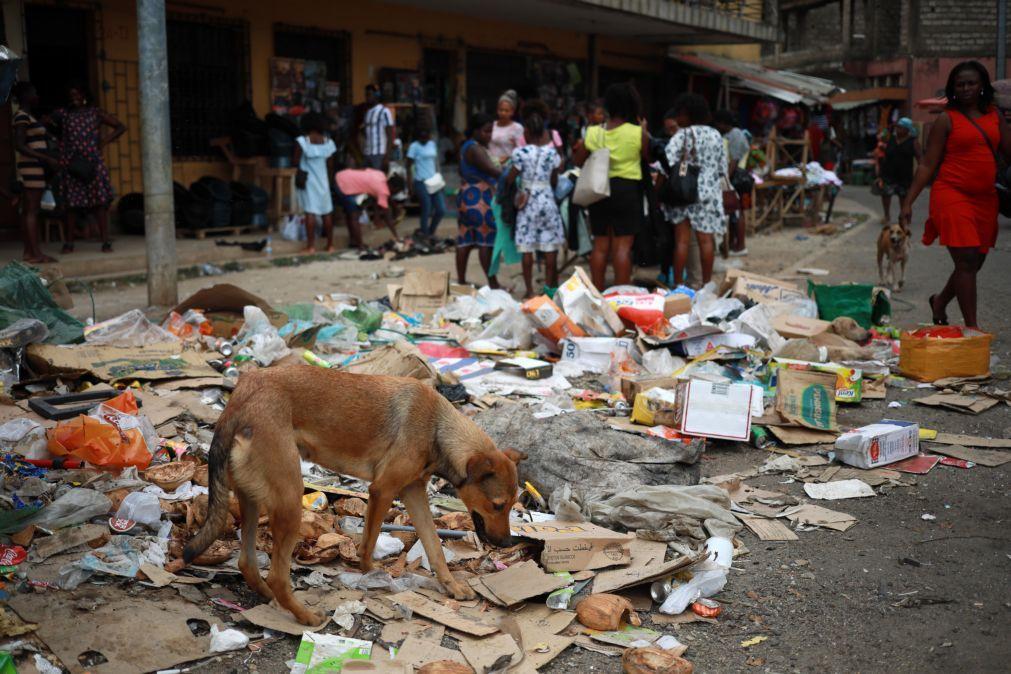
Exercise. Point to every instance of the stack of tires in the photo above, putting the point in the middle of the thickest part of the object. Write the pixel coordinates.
(249, 205)
(215, 196)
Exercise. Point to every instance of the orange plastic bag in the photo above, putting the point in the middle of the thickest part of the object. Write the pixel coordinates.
(101, 443)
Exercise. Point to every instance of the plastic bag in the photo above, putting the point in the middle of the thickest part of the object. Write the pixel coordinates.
(23, 295)
(189, 325)
(387, 545)
(99, 443)
(142, 508)
(74, 507)
(129, 329)
(661, 362)
(293, 228)
(227, 640)
(367, 317)
(261, 337)
(702, 585)
(25, 437)
(511, 329)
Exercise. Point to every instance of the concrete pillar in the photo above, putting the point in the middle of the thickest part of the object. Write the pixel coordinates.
(156, 155)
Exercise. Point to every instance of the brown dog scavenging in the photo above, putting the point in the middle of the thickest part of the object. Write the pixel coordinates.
(395, 432)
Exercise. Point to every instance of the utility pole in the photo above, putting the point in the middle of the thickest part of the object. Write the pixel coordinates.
(1001, 39)
(156, 155)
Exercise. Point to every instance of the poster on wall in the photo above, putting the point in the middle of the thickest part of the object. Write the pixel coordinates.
(298, 86)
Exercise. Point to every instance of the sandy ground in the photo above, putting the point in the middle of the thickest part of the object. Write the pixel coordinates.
(894, 593)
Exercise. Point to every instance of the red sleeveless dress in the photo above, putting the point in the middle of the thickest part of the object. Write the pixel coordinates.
(963, 199)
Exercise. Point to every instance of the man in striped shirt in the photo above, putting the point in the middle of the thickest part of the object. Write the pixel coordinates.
(378, 129)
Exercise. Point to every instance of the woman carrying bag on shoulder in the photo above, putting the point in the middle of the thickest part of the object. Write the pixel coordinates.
(699, 147)
(615, 219)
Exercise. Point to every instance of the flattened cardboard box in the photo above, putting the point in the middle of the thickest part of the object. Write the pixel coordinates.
(114, 363)
(423, 292)
(575, 546)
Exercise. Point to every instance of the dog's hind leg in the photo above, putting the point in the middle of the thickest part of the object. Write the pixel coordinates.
(247, 553)
(381, 497)
(416, 500)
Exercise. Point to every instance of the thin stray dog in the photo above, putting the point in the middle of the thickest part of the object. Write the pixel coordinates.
(394, 431)
(893, 246)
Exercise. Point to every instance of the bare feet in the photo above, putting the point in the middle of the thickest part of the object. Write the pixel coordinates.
(307, 251)
(331, 249)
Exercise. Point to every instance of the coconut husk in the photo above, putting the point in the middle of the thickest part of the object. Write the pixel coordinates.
(201, 475)
(315, 525)
(605, 612)
(168, 476)
(652, 660)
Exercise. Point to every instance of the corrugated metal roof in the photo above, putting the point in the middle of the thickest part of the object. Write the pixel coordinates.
(782, 84)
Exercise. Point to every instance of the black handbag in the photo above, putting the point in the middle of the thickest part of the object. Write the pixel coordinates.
(681, 188)
(1001, 180)
(81, 170)
(301, 179)
(742, 181)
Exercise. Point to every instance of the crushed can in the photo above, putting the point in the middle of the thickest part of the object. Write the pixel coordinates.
(761, 438)
(706, 608)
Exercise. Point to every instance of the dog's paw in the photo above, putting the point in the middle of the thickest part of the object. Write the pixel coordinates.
(460, 591)
(313, 619)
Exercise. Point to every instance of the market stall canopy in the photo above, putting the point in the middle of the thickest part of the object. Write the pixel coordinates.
(780, 84)
(849, 100)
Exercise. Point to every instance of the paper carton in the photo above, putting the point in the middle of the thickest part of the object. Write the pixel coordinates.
(594, 353)
(575, 546)
(675, 304)
(584, 304)
(423, 292)
(734, 274)
(878, 444)
(328, 652)
(712, 410)
(632, 386)
(807, 398)
(655, 407)
(550, 320)
(848, 380)
(799, 327)
(764, 292)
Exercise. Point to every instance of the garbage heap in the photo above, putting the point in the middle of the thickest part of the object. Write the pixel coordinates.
(613, 395)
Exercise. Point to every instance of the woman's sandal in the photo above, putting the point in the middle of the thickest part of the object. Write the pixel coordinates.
(942, 320)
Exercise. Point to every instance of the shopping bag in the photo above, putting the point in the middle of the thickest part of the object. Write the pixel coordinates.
(934, 353)
(868, 305)
(593, 183)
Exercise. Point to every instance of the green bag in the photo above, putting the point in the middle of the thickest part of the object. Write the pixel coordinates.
(22, 295)
(868, 305)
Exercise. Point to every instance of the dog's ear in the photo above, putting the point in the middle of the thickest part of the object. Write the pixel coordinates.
(478, 468)
(514, 455)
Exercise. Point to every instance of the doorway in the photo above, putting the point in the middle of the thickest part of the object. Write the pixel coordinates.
(60, 44)
(438, 67)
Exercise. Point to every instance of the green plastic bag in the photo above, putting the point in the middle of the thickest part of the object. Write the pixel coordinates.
(366, 317)
(868, 305)
(505, 251)
(22, 295)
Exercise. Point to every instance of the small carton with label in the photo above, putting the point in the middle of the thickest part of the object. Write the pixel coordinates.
(879, 444)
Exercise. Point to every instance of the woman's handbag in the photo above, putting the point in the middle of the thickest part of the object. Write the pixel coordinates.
(682, 185)
(731, 200)
(594, 183)
(435, 183)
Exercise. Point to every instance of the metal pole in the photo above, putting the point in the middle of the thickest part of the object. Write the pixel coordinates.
(1001, 39)
(156, 154)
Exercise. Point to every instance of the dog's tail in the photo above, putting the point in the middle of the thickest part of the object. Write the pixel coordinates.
(217, 505)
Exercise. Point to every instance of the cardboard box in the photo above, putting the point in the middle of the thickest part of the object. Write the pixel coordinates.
(549, 319)
(930, 359)
(807, 398)
(764, 292)
(712, 410)
(733, 275)
(632, 386)
(675, 304)
(423, 292)
(576, 546)
(116, 363)
(594, 353)
(583, 302)
(799, 327)
(879, 444)
(849, 381)
(655, 407)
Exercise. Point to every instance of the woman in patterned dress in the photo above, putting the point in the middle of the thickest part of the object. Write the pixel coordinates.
(478, 176)
(84, 179)
(539, 226)
(703, 145)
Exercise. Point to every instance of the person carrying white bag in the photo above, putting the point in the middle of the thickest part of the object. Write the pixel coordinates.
(615, 214)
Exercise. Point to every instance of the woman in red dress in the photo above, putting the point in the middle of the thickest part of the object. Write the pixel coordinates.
(963, 200)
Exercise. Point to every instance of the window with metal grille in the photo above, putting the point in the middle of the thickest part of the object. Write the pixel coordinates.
(208, 63)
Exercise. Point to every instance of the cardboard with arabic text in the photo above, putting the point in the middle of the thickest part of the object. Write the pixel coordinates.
(575, 546)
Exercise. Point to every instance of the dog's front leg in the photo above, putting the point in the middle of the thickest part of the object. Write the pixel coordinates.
(380, 499)
(416, 500)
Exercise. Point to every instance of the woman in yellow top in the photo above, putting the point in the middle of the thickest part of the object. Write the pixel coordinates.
(615, 220)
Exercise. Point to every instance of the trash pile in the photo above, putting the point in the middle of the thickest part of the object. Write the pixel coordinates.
(613, 395)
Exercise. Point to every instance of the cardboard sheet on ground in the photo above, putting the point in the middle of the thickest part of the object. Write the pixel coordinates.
(134, 635)
(518, 582)
(983, 457)
(766, 529)
(840, 489)
(416, 652)
(575, 546)
(812, 515)
(646, 552)
(441, 613)
(397, 630)
(114, 363)
(400, 359)
(972, 404)
(277, 619)
(482, 654)
(972, 441)
(619, 579)
(791, 435)
(65, 539)
(422, 292)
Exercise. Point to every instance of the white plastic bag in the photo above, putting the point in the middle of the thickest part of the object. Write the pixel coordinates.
(259, 335)
(661, 362)
(129, 329)
(702, 585)
(593, 183)
(293, 228)
(73, 507)
(511, 329)
(142, 508)
(227, 640)
(387, 545)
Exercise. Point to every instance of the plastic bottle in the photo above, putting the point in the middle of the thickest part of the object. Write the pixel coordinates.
(703, 584)
(269, 248)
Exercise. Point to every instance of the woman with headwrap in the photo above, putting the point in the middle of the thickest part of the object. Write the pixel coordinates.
(506, 134)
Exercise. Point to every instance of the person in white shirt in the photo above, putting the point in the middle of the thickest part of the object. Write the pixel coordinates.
(378, 130)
